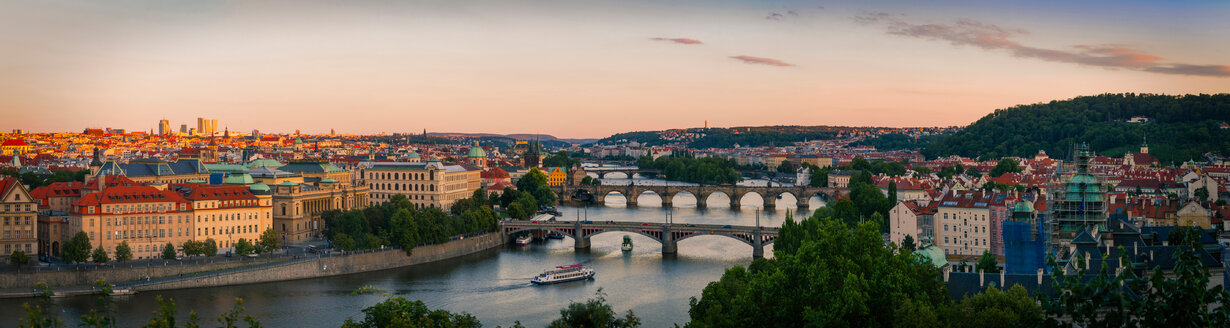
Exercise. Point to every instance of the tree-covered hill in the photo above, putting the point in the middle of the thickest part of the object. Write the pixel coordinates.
(748, 136)
(1181, 128)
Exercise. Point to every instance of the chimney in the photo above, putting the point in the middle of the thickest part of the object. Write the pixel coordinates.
(947, 270)
(980, 278)
(1039, 276)
(1001, 277)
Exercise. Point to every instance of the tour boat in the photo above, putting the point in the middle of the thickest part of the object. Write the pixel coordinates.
(627, 246)
(555, 235)
(524, 239)
(563, 273)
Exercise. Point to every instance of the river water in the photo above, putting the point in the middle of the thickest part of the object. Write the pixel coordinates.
(492, 285)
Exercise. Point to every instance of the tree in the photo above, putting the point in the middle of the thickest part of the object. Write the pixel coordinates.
(123, 252)
(77, 249)
(43, 314)
(1201, 194)
(786, 167)
(209, 247)
(19, 258)
(1183, 235)
(864, 286)
(100, 255)
(595, 312)
(988, 263)
(243, 247)
(399, 312)
(973, 172)
(168, 251)
(995, 308)
(232, 317)
(589, 181)
(1005, 165)
(908, 243)
(268, 241)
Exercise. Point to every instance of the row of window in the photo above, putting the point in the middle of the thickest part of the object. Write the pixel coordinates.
(404, 186)
(9, 248)
(18, 234)
(401, 176)
(15, 220)
(957, 240)
(26, 208)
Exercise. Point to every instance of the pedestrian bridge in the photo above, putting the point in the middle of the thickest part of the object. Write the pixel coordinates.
(667, 234)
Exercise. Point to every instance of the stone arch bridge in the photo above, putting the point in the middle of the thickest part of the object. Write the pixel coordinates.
(667, 234)
(702, 193)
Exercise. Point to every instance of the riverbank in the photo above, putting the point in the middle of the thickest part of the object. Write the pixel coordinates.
(164, 278)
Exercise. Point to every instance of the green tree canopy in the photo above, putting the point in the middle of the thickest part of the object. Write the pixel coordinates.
(100, 255)
(123, 252)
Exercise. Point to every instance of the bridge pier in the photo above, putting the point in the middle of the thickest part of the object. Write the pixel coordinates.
(580, 243)
(757, 244)
(631, 200)
(803, 202)
(734, 203)
(667, 200)
(668, 241)
(702, 202)
(770, 202)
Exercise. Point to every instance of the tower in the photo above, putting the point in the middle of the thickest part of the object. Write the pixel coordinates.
(164, 127)
(1144, 144)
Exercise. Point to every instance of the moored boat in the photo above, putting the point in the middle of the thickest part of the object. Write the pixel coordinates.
(563, 273)
(525, 239)
(627, 245)
(555, 235)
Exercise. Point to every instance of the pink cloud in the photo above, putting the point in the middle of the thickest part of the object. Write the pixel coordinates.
(762, 61)
(678, 40)
(993, 37)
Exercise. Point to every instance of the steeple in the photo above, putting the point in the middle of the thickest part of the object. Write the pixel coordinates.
(1144, 144)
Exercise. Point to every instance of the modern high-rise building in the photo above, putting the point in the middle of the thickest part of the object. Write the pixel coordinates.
(213, 127)
(183, 128)
(164, 127)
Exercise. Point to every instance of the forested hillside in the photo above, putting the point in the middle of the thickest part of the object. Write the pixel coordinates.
(1181, 128)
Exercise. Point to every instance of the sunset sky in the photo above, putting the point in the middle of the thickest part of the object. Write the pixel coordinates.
(583, 69)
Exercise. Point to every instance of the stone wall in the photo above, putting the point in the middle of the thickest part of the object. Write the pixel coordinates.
(270, 269)
(337, 265)
(88, 273)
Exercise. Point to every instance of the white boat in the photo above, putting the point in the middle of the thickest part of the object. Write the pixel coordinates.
(524, 239)
(563, 273)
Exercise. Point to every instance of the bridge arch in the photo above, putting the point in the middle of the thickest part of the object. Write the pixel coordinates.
(675, 198)
(565, 232)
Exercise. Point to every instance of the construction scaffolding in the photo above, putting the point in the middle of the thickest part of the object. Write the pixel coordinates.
(1079, 204)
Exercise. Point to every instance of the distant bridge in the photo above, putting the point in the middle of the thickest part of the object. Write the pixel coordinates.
(667, 234)
(626, 170)
(702, 193)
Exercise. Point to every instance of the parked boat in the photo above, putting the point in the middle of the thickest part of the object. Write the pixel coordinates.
(555, 235)
(563, 273)
(627, 246)
(525, 239)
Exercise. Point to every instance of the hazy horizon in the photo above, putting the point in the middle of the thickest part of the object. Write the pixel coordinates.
(586, 69)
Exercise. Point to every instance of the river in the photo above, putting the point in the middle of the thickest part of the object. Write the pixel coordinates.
(492, 285)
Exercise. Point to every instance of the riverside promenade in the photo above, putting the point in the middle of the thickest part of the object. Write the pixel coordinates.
(242, 271)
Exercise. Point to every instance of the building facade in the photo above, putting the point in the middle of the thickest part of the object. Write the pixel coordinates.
(20, 220)
(430, 184)
(297, 207)
(963, 222)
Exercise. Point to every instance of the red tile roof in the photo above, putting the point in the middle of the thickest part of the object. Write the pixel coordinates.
(15, 143)
(128, 194)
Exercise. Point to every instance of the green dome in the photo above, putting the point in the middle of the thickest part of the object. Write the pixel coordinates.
(259, 187)
(412, 154)
(328, 180)
(477, 152)
(288, 183)
(196, 181)
(1023, 206)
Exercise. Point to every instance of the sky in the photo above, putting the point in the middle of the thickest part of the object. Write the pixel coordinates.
(586, 69)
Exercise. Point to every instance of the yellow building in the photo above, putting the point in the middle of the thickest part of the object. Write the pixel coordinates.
(20, 220)
(556, 176)
(145, 217)
(227, 213)
(1194, 215)
(431, 184)
(297, 207)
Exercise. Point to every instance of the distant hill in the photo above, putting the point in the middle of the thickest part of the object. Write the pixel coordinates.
(1178, 128)
(521, 136)
(748, 136)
